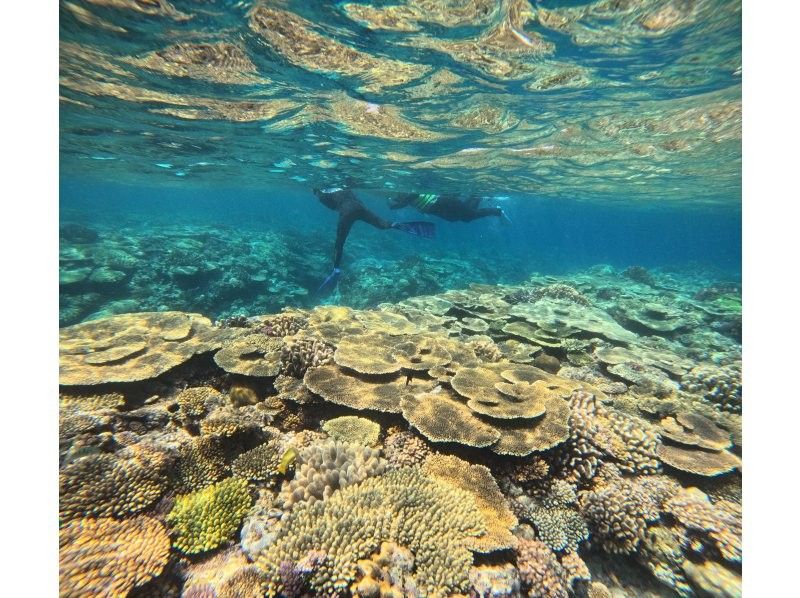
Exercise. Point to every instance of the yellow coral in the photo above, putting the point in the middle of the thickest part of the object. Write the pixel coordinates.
(203, 520)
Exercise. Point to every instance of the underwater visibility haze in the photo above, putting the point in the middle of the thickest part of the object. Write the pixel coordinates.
(400, 298)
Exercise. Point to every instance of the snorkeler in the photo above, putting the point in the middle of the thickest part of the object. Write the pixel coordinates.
(350, 210)
(448, 207)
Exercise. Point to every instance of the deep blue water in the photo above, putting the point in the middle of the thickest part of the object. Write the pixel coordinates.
(546, 235)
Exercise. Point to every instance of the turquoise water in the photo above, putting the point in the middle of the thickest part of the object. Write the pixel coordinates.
(609, 131)
(561, 378)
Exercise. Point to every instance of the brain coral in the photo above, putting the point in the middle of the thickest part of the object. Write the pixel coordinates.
(402, 506)
(106, 557)
(327, 466)
(104, 485)
(205, 519)
(357, 430)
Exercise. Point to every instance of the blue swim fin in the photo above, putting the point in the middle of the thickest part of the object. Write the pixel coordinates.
(419, 228)
(330, 282)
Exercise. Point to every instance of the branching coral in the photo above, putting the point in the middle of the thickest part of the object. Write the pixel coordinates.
(558, 524)
(106, 557)
(104, 485)
(205, 519)
(599, 434)
(352, 523)
(541, 573)
(260, 463)
(721, 385)
(402, 449)
(194, 402)
(300, 354)
(284, 324)
(619, 509)
(325, 467)
(201, 463)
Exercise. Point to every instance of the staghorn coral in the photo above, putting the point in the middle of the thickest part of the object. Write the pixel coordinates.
(300, 354)
(598, 433)
(104, 485)
(542, 575)
(403, 449)
(135, 550)
(720, 385)
(619, 509)
(558, 524)
(205, 519)
(352, 523)
(352, 429)
(260, 463)
(325, 467)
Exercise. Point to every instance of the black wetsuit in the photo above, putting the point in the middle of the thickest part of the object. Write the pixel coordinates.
(350, 209)
(448, 207)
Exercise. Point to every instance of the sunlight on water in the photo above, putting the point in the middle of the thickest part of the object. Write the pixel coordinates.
(607, 100)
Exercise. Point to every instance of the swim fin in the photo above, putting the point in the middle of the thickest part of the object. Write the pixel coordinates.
(419, 228)
(330, 282)
(504, 216)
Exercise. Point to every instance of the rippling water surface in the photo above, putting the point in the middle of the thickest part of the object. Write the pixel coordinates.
(612, 100)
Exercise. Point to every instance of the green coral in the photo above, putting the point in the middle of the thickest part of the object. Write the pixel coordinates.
(203, 520)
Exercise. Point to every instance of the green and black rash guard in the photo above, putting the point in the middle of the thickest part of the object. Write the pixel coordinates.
(424, 201)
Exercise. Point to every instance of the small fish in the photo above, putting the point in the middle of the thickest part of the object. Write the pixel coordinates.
(287, 460)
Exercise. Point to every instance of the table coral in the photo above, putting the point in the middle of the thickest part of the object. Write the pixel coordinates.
(352, 429)
(135, 550)
(205, 519)
(252, 355)
(352, 523)
(132, 347)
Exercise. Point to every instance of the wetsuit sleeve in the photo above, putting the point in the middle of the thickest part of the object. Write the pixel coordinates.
(401, 201)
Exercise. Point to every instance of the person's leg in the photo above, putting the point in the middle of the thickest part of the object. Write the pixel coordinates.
(483, 213)
(373, 219)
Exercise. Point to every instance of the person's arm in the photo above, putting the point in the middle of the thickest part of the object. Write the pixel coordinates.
(401, 201)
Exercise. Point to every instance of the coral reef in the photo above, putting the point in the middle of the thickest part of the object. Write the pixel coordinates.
(105, 485)
(359, 416)
(108, 557)
(355, 430)
(351, 524)
(328, 466)
(205, 519)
